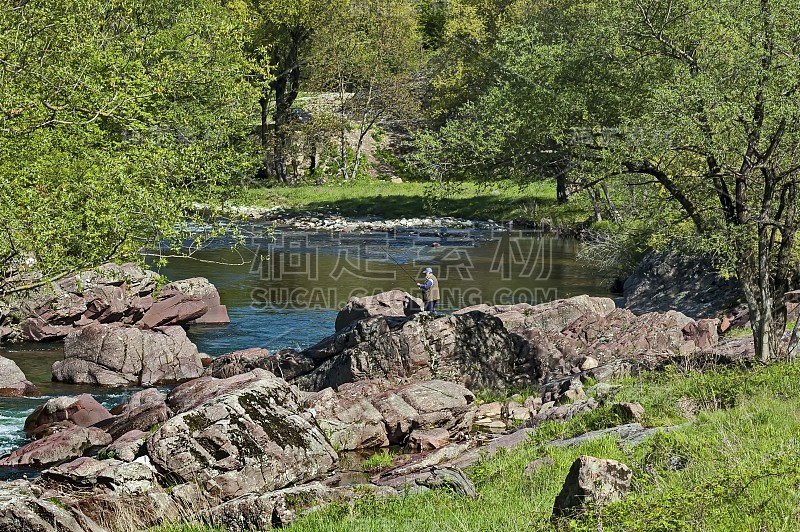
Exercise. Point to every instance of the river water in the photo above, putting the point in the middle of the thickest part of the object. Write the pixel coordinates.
(284, 288)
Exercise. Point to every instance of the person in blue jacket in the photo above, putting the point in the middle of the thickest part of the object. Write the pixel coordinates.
(430, 290)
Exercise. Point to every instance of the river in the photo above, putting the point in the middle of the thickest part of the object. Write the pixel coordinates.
(284, 288)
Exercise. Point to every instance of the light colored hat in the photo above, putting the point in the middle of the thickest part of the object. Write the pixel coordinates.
(427, 270)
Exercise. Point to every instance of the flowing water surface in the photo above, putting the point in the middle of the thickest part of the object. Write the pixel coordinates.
(284, 288)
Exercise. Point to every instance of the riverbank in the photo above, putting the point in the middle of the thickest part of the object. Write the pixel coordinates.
(729, 465)
(328, 269)
(166, 442)
(533, 204)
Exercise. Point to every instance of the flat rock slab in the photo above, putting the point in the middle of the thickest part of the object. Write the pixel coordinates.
(117, 355)
(59, 447)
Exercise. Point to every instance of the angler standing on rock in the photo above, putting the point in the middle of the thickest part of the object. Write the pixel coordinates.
(430, 290)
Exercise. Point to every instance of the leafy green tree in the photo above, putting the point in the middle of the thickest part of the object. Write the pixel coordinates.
(281, 33)
(530, 121)
(717, 127)
(369, 57)
(461, 36)
(115, 117)
(695, 104)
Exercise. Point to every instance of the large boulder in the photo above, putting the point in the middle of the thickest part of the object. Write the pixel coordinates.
(251, 439)
(13, 382)
(478, 350)
(239, 362)
(669, 280)
(394, 303)
(201, 288)
(472, 349)
(485, 348)
(82, 410)
(731, 351)
(116, 355)
(592, 482)
(552, 316)
(61, 446)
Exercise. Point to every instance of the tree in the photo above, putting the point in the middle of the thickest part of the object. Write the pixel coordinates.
(695, 103)
(369, 56)
(701, 100)
(531, 120)
(461, 36)
(718, 129)
(281, 32)
(115, 117)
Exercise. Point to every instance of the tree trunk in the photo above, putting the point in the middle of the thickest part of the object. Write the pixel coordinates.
(595, 203)
(279, 155)
(562, 189)
(615, 215)
(312, 156)
(765, 301)
(763, 334)
(286, 86)
(263, 133)
(343, 128)
(280, 116)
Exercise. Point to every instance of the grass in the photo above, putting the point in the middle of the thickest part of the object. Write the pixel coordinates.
(738, 332)
(738, 438)
(379, 461)
(502, 200)
(742, 470)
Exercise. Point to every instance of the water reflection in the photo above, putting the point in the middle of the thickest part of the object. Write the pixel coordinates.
(285, 290)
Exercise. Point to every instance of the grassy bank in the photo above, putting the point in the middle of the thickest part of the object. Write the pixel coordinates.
(738, 441)
(731, 465)
(502, 200)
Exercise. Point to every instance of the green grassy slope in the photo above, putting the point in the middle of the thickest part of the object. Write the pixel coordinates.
(499, 201)
(739, 438)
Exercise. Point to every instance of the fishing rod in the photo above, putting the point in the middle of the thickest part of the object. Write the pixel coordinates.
(389, 254)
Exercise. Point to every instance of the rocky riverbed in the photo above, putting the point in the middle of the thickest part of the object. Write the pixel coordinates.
(254, 438)
(311, 220)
